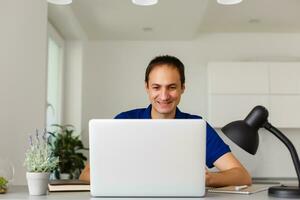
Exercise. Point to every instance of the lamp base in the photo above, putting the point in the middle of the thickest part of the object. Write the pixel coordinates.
(284, 191)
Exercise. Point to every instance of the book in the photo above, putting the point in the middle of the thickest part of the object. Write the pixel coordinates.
(254, 188)
(68, 185)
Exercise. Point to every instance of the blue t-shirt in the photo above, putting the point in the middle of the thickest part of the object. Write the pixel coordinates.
(215, 147)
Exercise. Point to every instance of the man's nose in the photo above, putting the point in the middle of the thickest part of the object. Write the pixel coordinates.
(164, 94)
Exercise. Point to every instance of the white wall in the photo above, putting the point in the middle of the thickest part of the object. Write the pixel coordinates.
(113, 74)
(23, 50)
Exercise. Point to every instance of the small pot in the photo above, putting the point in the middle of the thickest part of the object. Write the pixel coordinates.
(37, 182)
(64, 176)
(3, 189)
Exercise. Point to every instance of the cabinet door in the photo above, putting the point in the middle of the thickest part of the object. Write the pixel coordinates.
(285, 111)
(284, 78)
(238, 78)
(227, 108)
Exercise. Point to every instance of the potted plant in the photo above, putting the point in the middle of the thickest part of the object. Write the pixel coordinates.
(68, 147)
(6, 174)
(3, 185)
(40, 161)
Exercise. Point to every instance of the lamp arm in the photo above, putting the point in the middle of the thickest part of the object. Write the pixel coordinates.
(288, 144)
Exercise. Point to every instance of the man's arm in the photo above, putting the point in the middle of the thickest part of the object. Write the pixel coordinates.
(231, 172)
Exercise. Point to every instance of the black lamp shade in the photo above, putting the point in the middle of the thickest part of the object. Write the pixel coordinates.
(245, 132)
(243, 135)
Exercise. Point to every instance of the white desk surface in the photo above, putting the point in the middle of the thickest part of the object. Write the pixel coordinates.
(21, 192)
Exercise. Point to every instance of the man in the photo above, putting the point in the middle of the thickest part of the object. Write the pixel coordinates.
(165, 83)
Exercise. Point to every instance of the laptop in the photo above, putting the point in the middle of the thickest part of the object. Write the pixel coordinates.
(147, 158)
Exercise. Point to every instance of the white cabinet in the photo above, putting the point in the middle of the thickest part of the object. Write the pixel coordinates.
(234, 88)
(285, 111)
(284, 78)
(227, 108)
(238, 78)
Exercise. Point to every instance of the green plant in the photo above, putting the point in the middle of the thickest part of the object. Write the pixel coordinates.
(3, 185)
(39, 157)
(68, 148)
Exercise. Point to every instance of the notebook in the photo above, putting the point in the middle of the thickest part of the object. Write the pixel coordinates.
(254, 188)
(68, 185)
(147, 158)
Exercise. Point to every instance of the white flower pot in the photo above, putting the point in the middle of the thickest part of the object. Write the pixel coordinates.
(37, 182)
(64, 176)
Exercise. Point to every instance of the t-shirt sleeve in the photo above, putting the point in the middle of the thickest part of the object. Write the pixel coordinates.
(215, 146)
(122, 115)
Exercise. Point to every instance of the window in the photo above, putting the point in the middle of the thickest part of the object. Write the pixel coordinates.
(54, 77)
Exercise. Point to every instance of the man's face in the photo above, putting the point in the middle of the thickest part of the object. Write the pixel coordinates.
(164, 90)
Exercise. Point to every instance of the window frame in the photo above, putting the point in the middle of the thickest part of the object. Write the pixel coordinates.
(60, 42)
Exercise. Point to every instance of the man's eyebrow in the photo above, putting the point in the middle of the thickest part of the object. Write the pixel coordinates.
(171, 85)
(156, 84)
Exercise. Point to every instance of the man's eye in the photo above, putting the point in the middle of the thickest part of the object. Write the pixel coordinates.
(155, 88)
(173, 87)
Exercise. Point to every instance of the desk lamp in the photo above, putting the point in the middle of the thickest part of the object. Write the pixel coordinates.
(245, 134)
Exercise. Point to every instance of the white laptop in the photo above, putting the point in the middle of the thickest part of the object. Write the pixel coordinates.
(147, 158)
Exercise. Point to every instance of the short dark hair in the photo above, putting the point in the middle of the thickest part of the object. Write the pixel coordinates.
(166, 60)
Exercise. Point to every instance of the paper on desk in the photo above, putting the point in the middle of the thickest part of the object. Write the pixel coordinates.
(249, 190)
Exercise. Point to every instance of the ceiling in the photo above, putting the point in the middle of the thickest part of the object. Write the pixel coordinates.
(171, 19)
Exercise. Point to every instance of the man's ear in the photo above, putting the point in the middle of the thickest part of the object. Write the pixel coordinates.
(182, 88)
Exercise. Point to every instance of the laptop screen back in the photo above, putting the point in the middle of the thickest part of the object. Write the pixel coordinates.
(147, 157)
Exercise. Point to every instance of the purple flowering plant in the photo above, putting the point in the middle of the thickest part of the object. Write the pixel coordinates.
(39, 157)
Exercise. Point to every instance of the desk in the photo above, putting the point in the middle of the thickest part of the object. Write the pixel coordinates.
(21, 192)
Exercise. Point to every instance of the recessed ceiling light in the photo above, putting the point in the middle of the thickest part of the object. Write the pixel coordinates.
(254, 21)
(145, 2)
(60, 2)
(147, 29)
(229, 2)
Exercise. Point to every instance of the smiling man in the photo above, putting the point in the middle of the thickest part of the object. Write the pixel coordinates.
(164, 89)
(165, 83)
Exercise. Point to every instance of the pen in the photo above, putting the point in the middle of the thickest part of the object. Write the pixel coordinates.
(238, 188)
